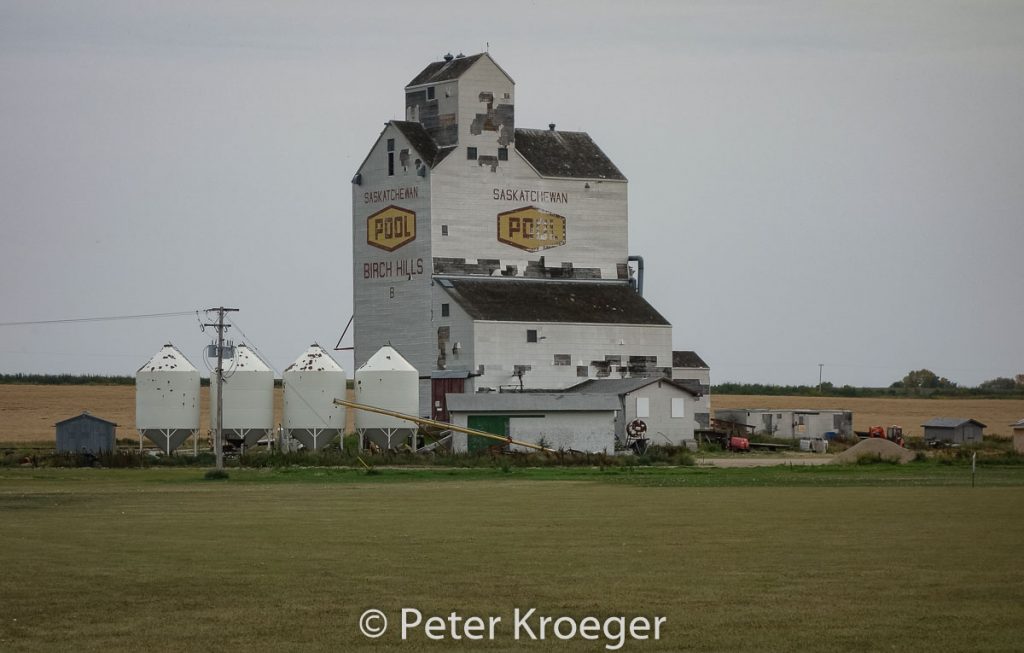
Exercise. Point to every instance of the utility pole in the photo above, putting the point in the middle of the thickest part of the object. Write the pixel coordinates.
(218, 434)
(820, 366)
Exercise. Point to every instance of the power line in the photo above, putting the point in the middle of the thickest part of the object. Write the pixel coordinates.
(109, 318)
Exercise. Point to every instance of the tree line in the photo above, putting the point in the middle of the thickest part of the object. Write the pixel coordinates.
(916, 383)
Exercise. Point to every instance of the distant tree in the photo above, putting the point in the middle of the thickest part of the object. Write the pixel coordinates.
(998, 384)
(925, 378)
(1020, 380)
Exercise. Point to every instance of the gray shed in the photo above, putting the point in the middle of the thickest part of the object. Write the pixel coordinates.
(953, 429)
(562, 420)
(85, 433)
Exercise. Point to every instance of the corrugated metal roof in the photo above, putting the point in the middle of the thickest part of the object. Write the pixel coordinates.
(625, 386)
(688, 359)
(1018, 423)
(519, 300)
(387, 358)
(522, 402)
(87, 416)
(315, 359)
(442, 71)
(565, 154)
(950, 422)
(169, 358)
(246, 360)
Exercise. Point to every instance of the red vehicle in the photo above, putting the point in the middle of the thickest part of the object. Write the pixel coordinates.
(893, 433)
(738, 444)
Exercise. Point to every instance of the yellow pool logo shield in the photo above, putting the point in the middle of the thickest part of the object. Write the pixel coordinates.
(390, 228)
(531, 229)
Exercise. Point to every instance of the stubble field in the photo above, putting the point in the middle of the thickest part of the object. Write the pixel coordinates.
(28, 412)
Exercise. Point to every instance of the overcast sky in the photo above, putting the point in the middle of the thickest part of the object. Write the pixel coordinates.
(810, 182)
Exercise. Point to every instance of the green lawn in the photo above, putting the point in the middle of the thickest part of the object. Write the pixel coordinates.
(860, 558)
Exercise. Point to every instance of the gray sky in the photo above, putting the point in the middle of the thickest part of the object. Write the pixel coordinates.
(810, 182)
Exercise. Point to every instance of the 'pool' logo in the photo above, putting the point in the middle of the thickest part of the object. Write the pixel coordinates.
(531, 229)
(390, 228)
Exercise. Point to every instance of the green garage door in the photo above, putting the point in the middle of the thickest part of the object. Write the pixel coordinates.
(496, 424)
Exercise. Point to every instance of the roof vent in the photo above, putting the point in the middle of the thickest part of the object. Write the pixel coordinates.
(448, 57)
(459, 55)
(551, 126)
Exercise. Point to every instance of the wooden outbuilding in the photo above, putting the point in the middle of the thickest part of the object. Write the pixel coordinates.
(953, 429)
(85, 433)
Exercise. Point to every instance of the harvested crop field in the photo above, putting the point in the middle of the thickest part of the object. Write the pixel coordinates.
(997, 414)
(28, 412)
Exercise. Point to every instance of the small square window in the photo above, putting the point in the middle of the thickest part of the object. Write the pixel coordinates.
(444, 230)
(563, 359)
(531, 335)
(471, 153)
(502, 154)
(582, 371)
(445, 310)
(430, 92)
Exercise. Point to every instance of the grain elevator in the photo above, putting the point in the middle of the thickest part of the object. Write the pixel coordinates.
(491, 256)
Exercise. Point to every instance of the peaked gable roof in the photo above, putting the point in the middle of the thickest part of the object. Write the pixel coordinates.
(950, 422)
(688, 359)
(625, 386)
(443, 71)
(565, 154)
(515, 300)
(85, 416)
(418, 138)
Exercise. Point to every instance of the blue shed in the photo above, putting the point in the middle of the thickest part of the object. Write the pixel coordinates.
(85, 433)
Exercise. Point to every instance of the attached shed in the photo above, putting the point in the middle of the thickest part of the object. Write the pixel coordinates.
(85, 433)
(953, 429)
(690, 370)
(559, 420)
(668, 408)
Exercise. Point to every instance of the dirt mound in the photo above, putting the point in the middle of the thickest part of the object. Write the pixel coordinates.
(874, 448)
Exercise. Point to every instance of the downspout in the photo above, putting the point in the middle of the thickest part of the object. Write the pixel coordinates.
(639, 281)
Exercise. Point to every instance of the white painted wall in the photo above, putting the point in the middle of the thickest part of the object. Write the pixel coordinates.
(499, 346)
(662, 428)
(590, 431)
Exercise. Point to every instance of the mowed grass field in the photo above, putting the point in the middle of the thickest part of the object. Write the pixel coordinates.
(859, 559)
(28, 412)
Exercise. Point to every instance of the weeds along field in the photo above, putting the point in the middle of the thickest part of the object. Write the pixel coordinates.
(28, 412)
(865, 558)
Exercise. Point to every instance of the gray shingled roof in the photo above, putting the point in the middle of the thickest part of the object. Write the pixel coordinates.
(688, 359)
(624, 386)
(516, 300)
(950, 422)
(565, 154)
(442, 71)
(529, 402)
(422, 142)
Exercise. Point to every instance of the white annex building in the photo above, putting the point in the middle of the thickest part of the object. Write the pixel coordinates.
(493, 257)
